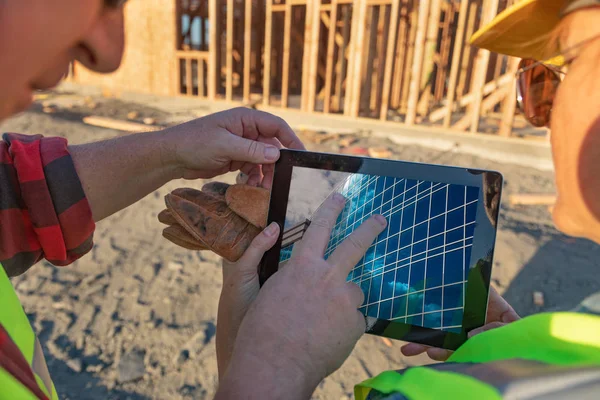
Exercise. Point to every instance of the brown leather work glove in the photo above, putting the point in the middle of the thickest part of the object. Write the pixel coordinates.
(222, 218)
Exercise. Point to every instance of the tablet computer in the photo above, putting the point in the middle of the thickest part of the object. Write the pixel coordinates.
(426, 277)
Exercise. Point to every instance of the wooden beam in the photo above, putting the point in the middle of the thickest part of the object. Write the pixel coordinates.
(268, 50)
(188, 77)
(351, 63)
(247, 49)
(469, 98)
(522, 199)
(399, 62)
(325, 18)
(509, 104)
(212, 49)
(389, 60)
(445, 44)
(285, 78)
(486, 105)
(415, 80)
(352, 102)
(193, 54)
(456, 57)
(126, 126)
(383, 35)
(483, 57)
(229, 55)
(314, 55)
(330, 54)
(414, 16)
(428, 59)
(342, 62)
(465, 70)
(306, 55)
(368, 58)
(201, 78)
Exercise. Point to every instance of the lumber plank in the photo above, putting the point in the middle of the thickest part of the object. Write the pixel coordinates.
(415, 79)
(389, 59)
(111, 123)
(247, 49)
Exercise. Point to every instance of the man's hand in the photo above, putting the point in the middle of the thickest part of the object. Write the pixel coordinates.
(240, 288)
(499, 313)
(238, 139)
(305, 321)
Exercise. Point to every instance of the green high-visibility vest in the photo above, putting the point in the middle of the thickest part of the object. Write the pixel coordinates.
(545, 356)
(16, 324)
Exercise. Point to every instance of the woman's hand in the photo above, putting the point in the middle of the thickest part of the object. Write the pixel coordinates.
(499, 313)
(238, 139)
(116, 173)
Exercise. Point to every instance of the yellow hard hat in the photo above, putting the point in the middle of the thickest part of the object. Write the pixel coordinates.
(524, 29)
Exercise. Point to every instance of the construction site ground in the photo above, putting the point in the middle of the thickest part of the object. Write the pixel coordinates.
(136, 317)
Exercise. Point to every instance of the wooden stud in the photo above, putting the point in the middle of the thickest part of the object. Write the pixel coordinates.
(399, 59)
(342, 62)
(259, 40)
(428, 59)
(465, 71)
(469, 98)
(383, 34)
(353, 100)
(411, 112)
(287, 33)
(200, 72)
(389, 59)
(330, 54)
(306, 60)
(212, 50)
(178, 39)
(410, 56)
(229, 55)
(446, 43)
(368, 59)
(456, 57)
(247, 49)
(483, 57)
(313, 56)
(188, 77)
(203, 15)
(509, 104)
(268, 52)
(486, 105)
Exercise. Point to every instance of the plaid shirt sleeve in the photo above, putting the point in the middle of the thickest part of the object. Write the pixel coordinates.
(43, 209)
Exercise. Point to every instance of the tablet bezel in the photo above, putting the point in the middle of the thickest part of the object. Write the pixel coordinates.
(477, 287)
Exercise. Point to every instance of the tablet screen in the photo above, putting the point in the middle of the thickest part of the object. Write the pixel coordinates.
(416, 270)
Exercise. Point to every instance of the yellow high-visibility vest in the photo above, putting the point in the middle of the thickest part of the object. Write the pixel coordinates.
(14, 322)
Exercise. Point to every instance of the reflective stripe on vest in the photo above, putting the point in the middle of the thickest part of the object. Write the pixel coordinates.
(15, 324)
(543, 356)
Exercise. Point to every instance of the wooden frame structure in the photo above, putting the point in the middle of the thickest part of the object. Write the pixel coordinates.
(407, 61)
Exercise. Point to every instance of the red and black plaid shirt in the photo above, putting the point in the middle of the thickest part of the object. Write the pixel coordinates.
(43, 214)
(43, 209)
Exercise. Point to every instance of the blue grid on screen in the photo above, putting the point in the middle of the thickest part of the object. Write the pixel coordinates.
(416, 270)
(286, 253)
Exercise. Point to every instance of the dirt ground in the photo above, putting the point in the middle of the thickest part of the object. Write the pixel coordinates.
(136, 318)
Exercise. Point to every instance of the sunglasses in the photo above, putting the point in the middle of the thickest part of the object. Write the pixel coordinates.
(537, 84)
